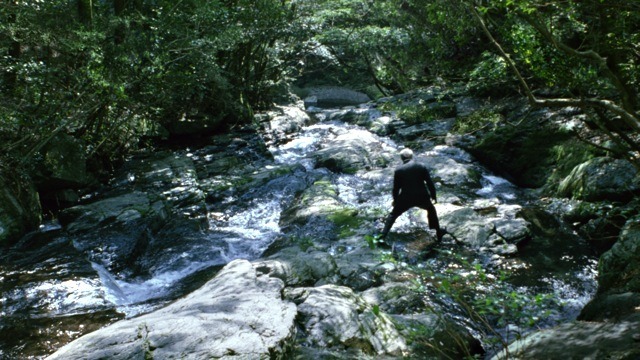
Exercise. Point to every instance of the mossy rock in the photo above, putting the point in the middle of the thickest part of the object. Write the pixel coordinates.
(529, 155)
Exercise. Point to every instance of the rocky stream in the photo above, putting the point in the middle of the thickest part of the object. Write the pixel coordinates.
(259, 244)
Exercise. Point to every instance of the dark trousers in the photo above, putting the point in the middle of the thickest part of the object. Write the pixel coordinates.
(401, 207)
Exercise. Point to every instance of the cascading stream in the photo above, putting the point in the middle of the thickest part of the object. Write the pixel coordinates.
(243, 225)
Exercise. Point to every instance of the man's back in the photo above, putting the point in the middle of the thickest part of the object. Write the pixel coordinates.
(409, 182)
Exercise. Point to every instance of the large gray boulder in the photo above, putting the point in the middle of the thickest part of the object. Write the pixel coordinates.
(618, 278)
(497, 228)
(238, 315)
(318, 200)
(601, 178)
(578, 340)
(619, 268)
(334, 95)
(353, 151)
(336, 316)
(285, 120)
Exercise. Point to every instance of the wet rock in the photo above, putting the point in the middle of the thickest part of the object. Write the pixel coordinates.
(359, 268)
(45, 280)
(433, 336)
(151, 192)
(619, 268)
(582, 340)
(296, 267)
(458, 174)
(286, 120)
(497, 230)
(610, 307)
(467, 226)
(433, 128)
(172, 176)
(118, 210)
(335, 316)
(238, 314)
(601, 178)
(319, 200)
(381, 125)
(353, 151)
(395, 298)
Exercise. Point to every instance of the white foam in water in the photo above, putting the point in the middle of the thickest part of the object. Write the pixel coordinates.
(491, 182)
(293, 151)
(129, 295)
(254, 229)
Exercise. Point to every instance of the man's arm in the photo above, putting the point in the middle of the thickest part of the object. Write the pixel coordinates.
(396, 186)
(430, 185)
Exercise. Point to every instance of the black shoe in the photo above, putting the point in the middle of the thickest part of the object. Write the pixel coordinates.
(440, 233)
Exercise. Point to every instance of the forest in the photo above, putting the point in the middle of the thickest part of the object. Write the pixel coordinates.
(113, 74)
(132, 123)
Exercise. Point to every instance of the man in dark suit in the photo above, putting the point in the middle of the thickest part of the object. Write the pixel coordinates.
(412, 186)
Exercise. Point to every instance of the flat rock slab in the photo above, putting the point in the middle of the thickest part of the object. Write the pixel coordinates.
(580, 340)
(238, 314)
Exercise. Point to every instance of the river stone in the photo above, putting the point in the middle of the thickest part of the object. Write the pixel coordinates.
(467, 226)
(336, 95)
(601, 178)
(436, 337)
(122, 209)
(171, 175)
(319, 200)
(395, 298)
(449, 171)
(297, 267)
(237, 315)
(287, 119)
(334, 315)
(353, 151)
(360, 268)
(430, 128)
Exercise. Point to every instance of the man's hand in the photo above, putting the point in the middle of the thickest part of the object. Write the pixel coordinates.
(435, 201)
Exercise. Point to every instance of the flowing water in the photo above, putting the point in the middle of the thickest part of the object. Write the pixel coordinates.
(243, 226)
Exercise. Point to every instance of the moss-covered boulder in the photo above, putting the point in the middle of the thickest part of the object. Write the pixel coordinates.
(619, 268)
(320, 200)
(601, 178)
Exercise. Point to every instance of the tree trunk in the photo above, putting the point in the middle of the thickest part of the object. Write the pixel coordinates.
(85, 12)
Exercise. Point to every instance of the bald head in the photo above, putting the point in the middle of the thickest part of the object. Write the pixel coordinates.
(406, 154)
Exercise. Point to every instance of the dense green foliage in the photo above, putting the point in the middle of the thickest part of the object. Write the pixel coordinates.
(114, 72)
(111, 72)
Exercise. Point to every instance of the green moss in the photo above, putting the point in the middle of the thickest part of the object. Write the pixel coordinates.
(346, 220)
(524, 153)
(476, 120)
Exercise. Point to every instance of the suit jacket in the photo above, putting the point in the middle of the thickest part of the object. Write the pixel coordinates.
(412, 184)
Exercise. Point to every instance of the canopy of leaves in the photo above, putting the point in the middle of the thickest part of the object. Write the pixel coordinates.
(113, 72)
